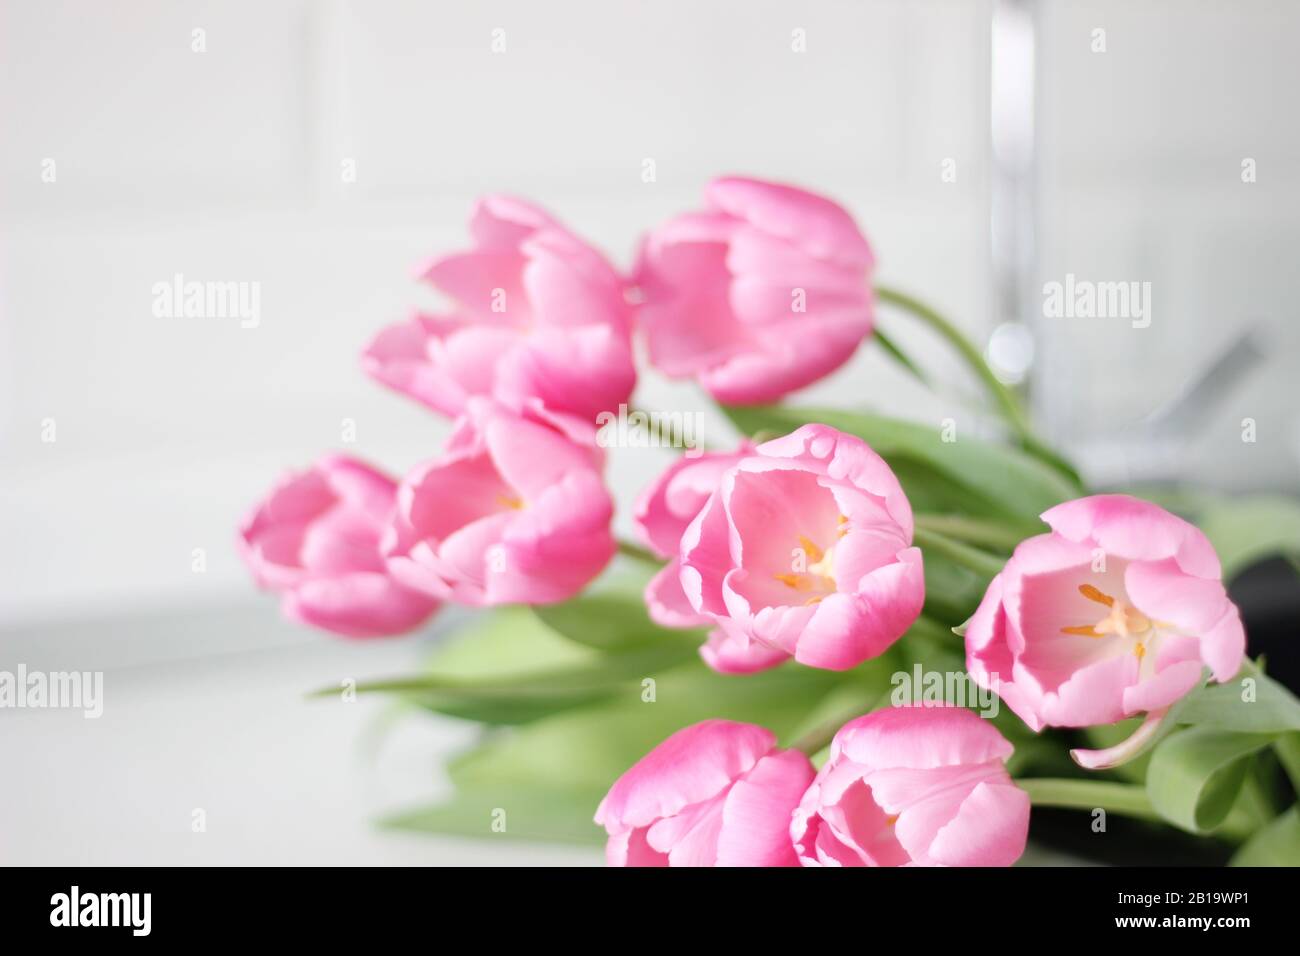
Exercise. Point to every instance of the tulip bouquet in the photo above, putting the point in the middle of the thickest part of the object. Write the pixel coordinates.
(842, 638)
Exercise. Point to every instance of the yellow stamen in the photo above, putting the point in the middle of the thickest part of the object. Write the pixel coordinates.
(816, 573)
(814, 553)
(506, 501)
(1083, 630)
(796, 581)
(1092, 594)
(1139, 651)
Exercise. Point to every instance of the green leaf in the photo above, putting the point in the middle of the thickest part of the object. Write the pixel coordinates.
(1088, 794)
(1195, 775)
(507, 667)
(967, 476)
(590, 747)
(1251, 702)
(531, 813)
(1287, 750)
(611, 613)
(1008, 403)
(505, 642)
(898, 355)
(933, 650)
(936, 491)
(523, 699)
(1245, 530)
(549, 775)
(989, 535)
(1277, 843)
(937, 545)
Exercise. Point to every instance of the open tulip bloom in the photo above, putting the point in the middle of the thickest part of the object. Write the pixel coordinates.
(1114, 613)
(739, 688)
(803, 549)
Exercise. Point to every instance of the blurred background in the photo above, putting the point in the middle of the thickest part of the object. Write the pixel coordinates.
(324, 149)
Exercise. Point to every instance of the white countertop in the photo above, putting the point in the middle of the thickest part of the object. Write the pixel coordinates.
(282, 779)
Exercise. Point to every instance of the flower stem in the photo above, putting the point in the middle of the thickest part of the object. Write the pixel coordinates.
(981, 562)
(1007, 402)
(898, 355)
(638, 553)
(990, 534)
(1123, 798)
(820, 737)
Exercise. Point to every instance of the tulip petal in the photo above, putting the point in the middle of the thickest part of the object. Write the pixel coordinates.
(730, 653)
(1127, 749)
(819, 226)
(990, 829)
(1163, 591)
(921, 738)
(693, 765)
(1135, 530)
(358, 605)
(666, 601)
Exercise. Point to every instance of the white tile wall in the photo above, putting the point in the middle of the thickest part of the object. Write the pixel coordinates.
(1184, 89)
(585, 91)
(135, 119)
(1142, 153)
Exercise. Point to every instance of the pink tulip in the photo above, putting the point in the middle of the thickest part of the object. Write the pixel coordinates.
(763, 292)
(714, 794)
(316, 539)
(539, 319)
(803, 550)
(662, 514)
(513, 511)
(1113, 613)
(913, 786)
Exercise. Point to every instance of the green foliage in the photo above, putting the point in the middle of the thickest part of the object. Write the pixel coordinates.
(565, 762)
(611, 615)
(1244, 530)
(1277, 843)
(531, 813)
(508, 667)
(1251, 702)
(1196, 775)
